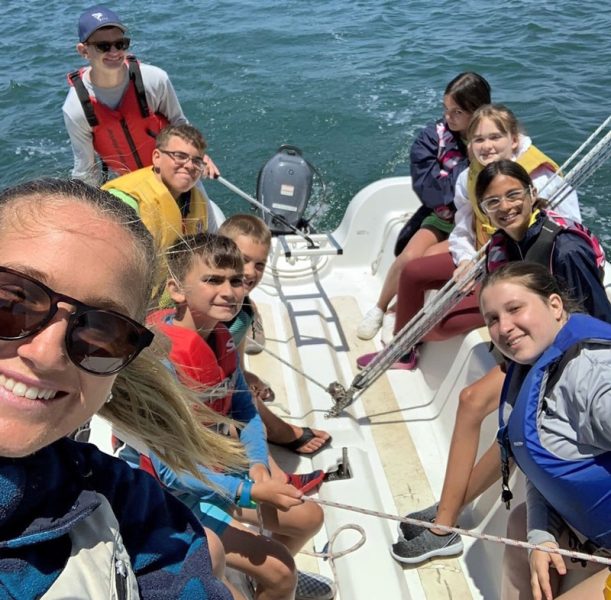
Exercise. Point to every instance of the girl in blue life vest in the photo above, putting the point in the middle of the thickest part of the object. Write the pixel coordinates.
(555, 423)
(75, 522)
(524, 231)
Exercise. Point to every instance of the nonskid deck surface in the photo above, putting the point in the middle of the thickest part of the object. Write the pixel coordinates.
(397, 433)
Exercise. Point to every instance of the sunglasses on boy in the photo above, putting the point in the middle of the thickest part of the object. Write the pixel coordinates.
(99, 341)
(119, 45)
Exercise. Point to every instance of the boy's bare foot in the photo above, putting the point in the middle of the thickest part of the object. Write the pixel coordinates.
(306, 441)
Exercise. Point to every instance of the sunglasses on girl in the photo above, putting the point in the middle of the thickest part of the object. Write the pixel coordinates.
(122, 44)
(98, 341)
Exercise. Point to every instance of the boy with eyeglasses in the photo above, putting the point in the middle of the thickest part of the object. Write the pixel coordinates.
(165, 195)
(115, 107)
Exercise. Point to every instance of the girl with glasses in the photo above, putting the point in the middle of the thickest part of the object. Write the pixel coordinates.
(493, 134)
(75, 280)
(525, 231)
(554, 415)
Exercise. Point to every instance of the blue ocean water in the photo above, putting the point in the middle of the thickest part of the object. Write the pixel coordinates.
(348, 81)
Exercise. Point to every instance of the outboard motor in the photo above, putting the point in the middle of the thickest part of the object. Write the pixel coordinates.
(284, 186)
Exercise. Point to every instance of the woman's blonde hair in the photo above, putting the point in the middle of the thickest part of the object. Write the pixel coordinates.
(150, 404)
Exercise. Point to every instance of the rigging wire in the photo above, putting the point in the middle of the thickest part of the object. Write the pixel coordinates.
(454, 291)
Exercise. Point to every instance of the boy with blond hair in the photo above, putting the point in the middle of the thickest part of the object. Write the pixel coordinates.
(253, 237)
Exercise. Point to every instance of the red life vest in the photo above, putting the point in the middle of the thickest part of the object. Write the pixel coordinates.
(210, 368)
(124, 137)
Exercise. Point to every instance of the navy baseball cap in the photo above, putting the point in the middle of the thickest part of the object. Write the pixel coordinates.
(96, 17)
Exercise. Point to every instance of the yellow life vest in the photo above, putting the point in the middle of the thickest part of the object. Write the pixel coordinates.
(531, 160)
(158, 209)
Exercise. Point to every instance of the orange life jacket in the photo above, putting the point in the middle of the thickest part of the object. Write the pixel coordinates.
(124, 137)
(208, 367)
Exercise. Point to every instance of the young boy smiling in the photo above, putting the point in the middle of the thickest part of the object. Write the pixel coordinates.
(206, 283)
(115, 105)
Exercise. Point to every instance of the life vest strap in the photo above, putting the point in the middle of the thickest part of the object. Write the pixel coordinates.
(135, 75)
(541, 251)
(83, 95)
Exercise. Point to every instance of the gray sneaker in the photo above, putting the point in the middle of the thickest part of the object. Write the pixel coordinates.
(407, 531)
(313, 586)
(426, 545)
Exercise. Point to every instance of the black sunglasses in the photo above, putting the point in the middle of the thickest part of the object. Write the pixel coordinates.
(99, 341)
(122, 44)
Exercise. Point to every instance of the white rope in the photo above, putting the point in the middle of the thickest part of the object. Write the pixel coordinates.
(602, 560)
(331, 555)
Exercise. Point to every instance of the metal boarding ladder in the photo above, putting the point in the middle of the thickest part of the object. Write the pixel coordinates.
(293, 246)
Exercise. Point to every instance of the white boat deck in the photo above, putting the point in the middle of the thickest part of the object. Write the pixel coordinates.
(398, 433)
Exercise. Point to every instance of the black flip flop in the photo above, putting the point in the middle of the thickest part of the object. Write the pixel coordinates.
(305, 437)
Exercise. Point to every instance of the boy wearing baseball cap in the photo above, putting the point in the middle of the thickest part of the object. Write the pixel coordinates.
(115, 106)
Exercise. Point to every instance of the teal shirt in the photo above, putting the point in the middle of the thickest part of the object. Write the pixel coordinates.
(238, 326)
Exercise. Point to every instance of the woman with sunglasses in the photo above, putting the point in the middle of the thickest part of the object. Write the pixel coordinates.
(555, 415)
(165, 195)
(116, 106)
(525, 231)
(75, 280)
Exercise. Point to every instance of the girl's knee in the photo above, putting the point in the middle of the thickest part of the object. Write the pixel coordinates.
(478, 400)
(311, 517)
(305, 521)
(281, 574)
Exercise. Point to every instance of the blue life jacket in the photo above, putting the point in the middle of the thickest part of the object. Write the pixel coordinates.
(579, 490)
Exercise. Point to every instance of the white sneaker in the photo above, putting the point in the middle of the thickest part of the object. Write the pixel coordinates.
(371, 323)
(388, 327)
